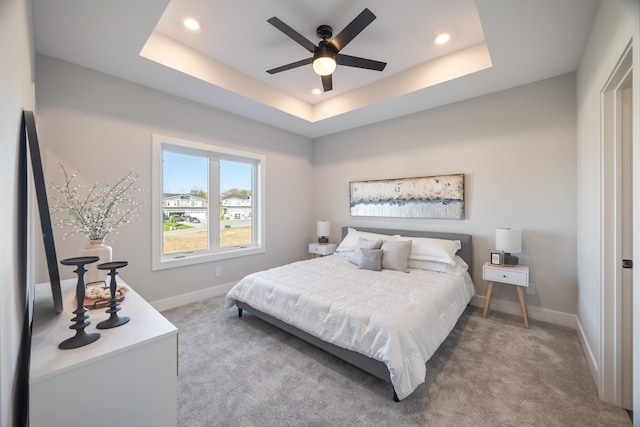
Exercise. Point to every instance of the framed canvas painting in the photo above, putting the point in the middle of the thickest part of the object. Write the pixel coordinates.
(435, 197)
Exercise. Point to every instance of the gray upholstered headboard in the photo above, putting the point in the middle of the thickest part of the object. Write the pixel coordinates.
(465, 252)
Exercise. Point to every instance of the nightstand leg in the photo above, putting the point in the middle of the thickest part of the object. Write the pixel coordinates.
(523, 306)
(487, 300)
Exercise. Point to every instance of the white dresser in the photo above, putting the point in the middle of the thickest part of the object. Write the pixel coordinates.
(125, 378)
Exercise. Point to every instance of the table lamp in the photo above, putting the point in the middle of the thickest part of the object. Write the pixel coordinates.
(324, 227)
(509, 240)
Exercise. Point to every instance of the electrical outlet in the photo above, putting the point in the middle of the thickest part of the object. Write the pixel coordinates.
(531, 289)
(218, 271)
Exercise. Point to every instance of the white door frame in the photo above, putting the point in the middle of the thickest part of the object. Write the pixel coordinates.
(610, 380)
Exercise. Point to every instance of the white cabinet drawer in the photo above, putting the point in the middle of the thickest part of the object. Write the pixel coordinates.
(509, 275)
(322, 248)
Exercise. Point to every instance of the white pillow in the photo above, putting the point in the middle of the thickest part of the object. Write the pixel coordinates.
(350, 241)
(395, 255)
(428, 249)
(440, 267)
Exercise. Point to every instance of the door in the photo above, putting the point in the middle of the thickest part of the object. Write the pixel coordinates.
(625, 106)
(616, 349)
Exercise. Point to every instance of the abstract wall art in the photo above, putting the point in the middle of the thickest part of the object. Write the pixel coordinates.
(435, 197)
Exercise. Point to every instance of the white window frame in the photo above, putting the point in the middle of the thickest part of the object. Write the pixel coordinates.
(161, 261)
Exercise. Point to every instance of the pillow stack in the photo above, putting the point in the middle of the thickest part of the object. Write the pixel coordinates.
(373, 251)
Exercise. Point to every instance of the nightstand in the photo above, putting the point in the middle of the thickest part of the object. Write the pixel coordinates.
(322, 249)
(517, 275)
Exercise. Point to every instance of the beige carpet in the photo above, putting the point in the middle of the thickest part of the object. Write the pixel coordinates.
(489, 372)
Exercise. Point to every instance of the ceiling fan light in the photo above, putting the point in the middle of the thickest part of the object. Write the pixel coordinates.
(324, 65)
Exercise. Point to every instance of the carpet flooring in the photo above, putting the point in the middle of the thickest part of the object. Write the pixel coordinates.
(488, 372)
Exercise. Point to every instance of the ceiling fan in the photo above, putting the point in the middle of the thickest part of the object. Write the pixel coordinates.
(326, 56)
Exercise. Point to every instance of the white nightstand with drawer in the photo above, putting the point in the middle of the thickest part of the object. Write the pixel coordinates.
(322, 249)
(517, 275)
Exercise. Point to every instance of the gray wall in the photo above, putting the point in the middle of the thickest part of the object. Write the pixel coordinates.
(16, 93)
(517, 149)
(102, 126)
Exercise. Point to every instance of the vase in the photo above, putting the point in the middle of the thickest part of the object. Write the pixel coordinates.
(99, 249)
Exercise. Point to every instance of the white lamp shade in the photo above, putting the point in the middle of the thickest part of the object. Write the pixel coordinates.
(509, 240)
(324, 228)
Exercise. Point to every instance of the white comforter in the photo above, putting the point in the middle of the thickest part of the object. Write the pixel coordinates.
(395, 317)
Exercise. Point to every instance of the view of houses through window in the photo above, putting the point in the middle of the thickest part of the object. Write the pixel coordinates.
(194, 218)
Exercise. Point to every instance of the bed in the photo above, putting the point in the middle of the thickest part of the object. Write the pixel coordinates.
(387, 322)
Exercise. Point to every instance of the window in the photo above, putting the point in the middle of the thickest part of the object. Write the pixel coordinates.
(207, 203)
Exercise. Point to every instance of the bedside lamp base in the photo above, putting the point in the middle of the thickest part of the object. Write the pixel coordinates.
(510, 259)
(323, 239)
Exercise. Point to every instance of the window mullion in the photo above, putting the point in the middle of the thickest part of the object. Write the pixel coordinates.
(255, 200)
(214, 204)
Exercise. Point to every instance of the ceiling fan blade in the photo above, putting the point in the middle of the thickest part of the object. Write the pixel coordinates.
(293, 34)
(354, 61)
(327, 83)
(354, 28)
(290, 66)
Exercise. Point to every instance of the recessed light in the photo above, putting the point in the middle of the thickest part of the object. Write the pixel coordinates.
(442, 38)
(316, 91)
(192, 24)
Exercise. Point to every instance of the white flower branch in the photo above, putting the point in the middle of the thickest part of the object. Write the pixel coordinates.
(101, 211)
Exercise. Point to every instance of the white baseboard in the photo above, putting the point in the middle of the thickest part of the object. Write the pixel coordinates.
(188, 298)
(536, 313)
(591, 359)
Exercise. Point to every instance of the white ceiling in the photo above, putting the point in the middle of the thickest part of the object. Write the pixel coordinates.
(495, 45)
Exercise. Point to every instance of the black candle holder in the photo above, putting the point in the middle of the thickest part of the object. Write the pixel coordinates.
(114, 320)
(81, 338)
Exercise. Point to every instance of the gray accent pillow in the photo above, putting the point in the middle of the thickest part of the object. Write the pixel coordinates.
(364, 244)
(369, 259)
(395, 255)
